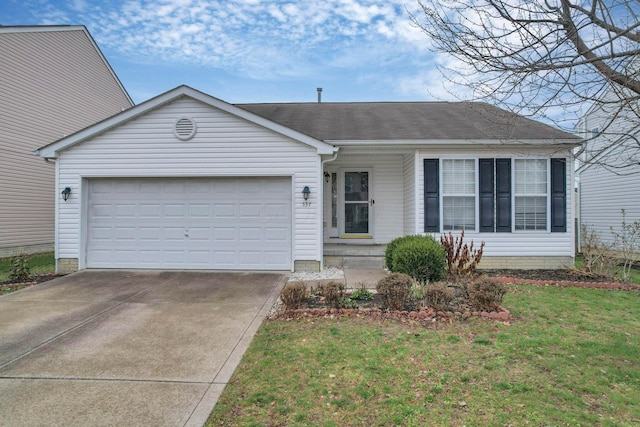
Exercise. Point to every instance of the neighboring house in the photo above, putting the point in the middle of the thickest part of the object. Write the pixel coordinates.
(608, 173)
(188, 181)
(54, 81)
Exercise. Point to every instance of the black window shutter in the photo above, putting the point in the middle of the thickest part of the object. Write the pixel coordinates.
(431, 196)
(487, 199)
(558, 195)
(503, 195)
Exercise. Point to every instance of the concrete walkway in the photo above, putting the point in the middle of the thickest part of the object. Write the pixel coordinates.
(126, 348)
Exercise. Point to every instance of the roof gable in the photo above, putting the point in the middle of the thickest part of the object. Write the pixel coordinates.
(394, 121)
(52, 150)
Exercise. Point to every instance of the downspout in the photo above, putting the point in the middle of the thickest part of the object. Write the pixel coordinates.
(321, 198)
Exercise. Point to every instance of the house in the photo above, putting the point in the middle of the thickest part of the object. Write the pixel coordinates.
(608, 173)
(188, 181)
(54, 81)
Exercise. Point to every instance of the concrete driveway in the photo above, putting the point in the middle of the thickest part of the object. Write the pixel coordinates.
(126, 348)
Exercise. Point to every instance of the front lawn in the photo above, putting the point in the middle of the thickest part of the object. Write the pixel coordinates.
(43, 263)
(571, 356)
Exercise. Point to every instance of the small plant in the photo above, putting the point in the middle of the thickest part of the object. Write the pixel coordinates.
(362, 294)
(395, 290)
(19, 271)
(417, 291)
(438, 296)
(421, 257)
(627, 243)
(462, 259)
(486, 294)
(332, 292)
(346, 302)
(293, 294)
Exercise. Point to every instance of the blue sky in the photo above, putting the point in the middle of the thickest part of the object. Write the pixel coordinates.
(254, 50)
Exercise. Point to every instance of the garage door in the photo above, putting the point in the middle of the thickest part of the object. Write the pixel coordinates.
(190, 223)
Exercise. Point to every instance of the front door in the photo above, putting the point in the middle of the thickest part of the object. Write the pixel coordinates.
(357, 203)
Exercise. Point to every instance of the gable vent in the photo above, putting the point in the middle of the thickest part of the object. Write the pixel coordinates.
(184, 128)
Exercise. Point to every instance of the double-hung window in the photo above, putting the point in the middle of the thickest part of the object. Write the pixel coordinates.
(458, 194)
(530, 194)
(495, 195)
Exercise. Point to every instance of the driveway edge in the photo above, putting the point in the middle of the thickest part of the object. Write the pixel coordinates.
(203, 409)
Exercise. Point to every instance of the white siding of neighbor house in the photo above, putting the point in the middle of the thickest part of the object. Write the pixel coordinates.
(409, 193)
(52, 83)
(225, 145)
(603, 194)
(605, 191)
(387, 189)
(517, 243)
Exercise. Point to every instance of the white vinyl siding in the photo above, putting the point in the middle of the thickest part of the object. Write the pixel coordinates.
(409, 195)
(530, 178)
(603, 194)
(458, 185)
(605, 191)
(53, 83)
(224, 146)
(517, 243)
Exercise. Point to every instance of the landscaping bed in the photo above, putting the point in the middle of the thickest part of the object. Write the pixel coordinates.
(315, 306)
(8, 286)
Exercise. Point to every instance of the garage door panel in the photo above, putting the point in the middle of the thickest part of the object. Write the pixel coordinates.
(204, 223)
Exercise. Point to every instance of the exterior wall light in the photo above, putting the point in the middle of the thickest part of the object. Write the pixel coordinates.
(326, 177)
(66, 193)
(306, 192)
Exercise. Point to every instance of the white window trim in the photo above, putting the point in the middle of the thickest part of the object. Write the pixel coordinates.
(513, 196)
(476, 194)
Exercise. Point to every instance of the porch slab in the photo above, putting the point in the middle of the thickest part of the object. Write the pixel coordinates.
(369, 276)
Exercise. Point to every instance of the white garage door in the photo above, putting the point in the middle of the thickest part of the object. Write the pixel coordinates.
(190, 223)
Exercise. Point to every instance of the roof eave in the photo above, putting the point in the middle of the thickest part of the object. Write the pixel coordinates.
(567, 143)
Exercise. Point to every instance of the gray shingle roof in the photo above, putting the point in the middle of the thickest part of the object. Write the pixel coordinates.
(329, 121)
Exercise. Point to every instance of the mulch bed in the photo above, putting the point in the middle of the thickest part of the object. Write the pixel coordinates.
(426, 316)
(575, 278)
(8, 286)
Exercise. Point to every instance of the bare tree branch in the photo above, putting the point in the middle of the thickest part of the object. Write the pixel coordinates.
(552, 60)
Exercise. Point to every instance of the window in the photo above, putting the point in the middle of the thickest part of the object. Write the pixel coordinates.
(530, 194)
(458, 194)
(495, 195)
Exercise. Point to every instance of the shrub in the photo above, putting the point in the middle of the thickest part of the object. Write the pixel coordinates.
(462, 259)
(422, 258)
(392, 245)
(19, 271)
(627, 243)
(395, 290)
(597, 254)
(293, 294)
(332, 292)
(438, 296)
(486, 294)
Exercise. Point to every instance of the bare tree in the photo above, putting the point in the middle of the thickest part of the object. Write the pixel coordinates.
(550, 59)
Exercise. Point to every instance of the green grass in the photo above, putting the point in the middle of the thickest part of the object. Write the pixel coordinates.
(570, 358)
(38, 263)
